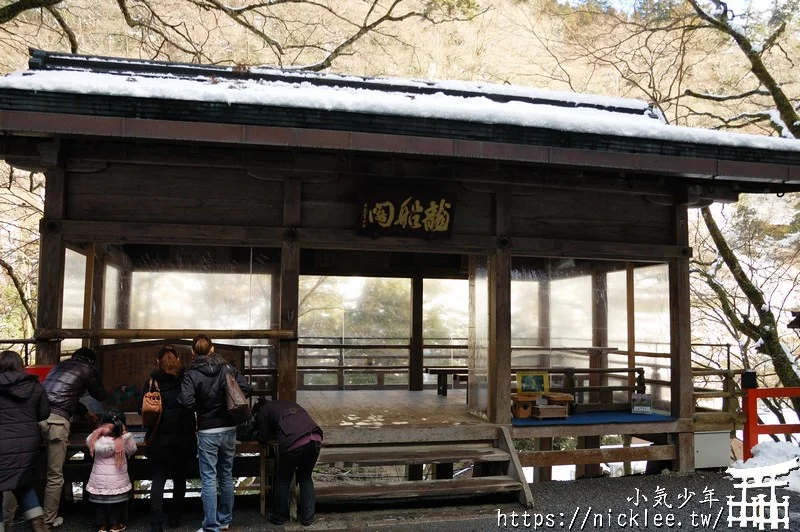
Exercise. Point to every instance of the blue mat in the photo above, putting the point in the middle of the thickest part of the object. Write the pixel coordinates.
(592, 418)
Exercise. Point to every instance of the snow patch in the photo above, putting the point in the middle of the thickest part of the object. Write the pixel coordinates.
(771, 453)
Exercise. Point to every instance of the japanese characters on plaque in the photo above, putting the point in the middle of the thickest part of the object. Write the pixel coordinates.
(390, 213)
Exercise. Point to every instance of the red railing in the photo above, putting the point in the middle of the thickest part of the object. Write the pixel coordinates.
(752, 428)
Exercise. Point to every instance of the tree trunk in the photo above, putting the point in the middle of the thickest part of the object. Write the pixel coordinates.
(766, 329)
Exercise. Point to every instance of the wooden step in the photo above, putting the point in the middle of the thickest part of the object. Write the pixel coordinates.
(411, 454)
(467, 432)
(427, 489)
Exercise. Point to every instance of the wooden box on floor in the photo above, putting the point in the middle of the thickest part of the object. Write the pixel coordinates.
(549, 411)
(521, 405)
(562, 399)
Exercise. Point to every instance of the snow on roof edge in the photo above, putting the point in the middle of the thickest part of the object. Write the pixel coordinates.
(439, 106)
(38, 56)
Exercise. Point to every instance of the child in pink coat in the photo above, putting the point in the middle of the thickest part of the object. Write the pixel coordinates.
(109, 486)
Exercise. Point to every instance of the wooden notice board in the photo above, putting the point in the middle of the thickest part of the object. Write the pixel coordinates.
(126, 367)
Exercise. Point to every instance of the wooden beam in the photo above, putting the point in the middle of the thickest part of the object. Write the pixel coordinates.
(88, 290)
(416, 361)
(580, 249)
(160, 233)
(552, 431)
(290, 284)
(590, 469)
(630, 302)
(473, 396)
(514, 469)
(124, 297)
(598, 359)
(347, 239)
(51, 265)
(681, 391)
(500, 315)
(500, 337)
(279, 162)
(134, 334)
(544, 314)
(543, 473)
(596, 456)
(411, 434)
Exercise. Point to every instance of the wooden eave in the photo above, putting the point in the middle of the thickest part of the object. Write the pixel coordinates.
(79, 115)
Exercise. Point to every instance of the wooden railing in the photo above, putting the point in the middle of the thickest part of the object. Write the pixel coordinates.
(752, 428)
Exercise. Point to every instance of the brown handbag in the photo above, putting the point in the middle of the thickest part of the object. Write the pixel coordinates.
(151, 406)
(235, 400)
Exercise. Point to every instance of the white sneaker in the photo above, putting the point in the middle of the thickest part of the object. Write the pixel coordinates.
(225, 527)
(57, 522)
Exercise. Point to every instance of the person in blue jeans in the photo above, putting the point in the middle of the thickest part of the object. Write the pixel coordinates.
(23, 404)
(203, 390)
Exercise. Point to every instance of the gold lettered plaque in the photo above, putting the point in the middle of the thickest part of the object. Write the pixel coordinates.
(423, 214)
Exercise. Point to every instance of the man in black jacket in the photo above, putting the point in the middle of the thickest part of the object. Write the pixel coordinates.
(299, 441)
(65, 385)
(203, 390)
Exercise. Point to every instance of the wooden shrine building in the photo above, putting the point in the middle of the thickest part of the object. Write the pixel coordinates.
(277, 174)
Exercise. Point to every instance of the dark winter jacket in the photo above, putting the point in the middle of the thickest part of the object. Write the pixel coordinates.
(175, 436)
(22, 405)
(68, 381)
(285, 421)
(203, 390)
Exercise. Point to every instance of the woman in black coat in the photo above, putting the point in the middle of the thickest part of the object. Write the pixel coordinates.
(171, 445)
(23, 404)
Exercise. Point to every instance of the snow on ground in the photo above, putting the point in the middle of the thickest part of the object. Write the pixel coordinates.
(771, 453)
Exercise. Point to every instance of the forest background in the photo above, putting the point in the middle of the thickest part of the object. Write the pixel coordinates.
(702, 63)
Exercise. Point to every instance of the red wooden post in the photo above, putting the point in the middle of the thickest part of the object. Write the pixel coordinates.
(752, 429)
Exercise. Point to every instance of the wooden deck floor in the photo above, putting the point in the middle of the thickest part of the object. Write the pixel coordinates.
(386, 408)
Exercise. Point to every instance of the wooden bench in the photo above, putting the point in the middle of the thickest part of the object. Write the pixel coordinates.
(251, 457)
(379, 371)
(442, 372)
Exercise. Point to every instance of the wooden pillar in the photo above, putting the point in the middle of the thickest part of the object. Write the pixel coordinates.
(124, 297)
(588, 470)
(473, 385)
(51, 265)
(415, 360)
(290, 279)
(630, 295)
(543, 474)
(98, 288)
(415, 471)
(500, 316)
(544, 318)
(598, 358)
(681, 393)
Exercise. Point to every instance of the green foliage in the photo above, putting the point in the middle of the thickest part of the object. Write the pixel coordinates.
(656, 10)
(452, 8)
(565, 443)
(610, 439)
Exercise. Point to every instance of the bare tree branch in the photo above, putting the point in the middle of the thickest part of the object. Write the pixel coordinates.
(19, 287)
(790, 118)
(15, 9)
(73, 41)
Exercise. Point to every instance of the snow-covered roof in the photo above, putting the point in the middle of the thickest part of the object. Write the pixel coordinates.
(450, 100)
(447, 108)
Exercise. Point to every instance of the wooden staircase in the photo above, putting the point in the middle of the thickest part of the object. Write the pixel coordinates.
(488, 448)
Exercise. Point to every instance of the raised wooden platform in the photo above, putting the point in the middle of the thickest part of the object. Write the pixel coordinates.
(370, 409)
